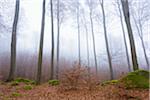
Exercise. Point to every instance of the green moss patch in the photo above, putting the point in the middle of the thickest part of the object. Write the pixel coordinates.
(53, 82)
(110, 82)
(136, 79)
(27, 87)
(22, 80)
(15, 94)
(14, 83)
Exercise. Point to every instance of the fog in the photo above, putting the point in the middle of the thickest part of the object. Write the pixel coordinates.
(28, 37)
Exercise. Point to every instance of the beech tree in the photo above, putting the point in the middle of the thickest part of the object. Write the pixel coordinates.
(14, 42)
(125, 8)
(106, 39)
(124, 35)
(40, 55)
(52, 42)
(140, 16)
(91, 5)
(60, 14)
(75, 13)
(84, 22)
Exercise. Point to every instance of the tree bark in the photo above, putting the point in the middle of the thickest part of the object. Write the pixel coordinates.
(58, 38)
(106, 40)
(40, 56)
(126, 13)
(124, 37)
(14, 42)
(94, 47)
(52, 51)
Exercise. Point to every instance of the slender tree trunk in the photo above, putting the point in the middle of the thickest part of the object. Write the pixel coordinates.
(94, 48)
(58, 38)
(78, 24)
(140, 33)
(40, 56)
(106, 40)
(126, 13)
(124, 37)
(87, 42)
(144, 50)
(13, 42)
(52, 32)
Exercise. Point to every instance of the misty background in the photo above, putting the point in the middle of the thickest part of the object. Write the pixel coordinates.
(28, 36)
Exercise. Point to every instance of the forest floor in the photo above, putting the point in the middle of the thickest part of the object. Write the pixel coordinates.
(47, 92)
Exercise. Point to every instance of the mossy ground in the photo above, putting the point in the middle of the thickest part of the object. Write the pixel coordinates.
(54, 82)
(21, 80)
(52, 91)
(136, 79)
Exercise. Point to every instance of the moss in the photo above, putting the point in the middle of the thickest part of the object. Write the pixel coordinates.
(26, 81)
(15, 94)
(53, 82)
(14, 83)
(28, 87)
(110, 82)
(136, 79)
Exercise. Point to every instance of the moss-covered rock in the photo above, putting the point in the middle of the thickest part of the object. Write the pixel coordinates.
(136, 79)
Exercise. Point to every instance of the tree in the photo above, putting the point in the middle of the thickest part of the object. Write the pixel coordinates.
(124, 36)
(52, 42)
(106, 40)
(84, 22)
(60, 18)
(75, 11)
(58, 37)
(125, 8)
(91, 6)
(13, 42)
(78, 25)
(40, 55)
(139, 19)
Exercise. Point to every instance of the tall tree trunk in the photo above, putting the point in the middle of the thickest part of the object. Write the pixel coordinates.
(124, 36)
(13, 42)
(94, 48)
(140, 33)
(52, 32)
(40, 56)
(58, 38)
(126, 13)
(78, 24)
(106, 40)
(87, 41)
(144, 50)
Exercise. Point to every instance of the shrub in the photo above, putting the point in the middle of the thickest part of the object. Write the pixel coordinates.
(53, 82)
(77, 77)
